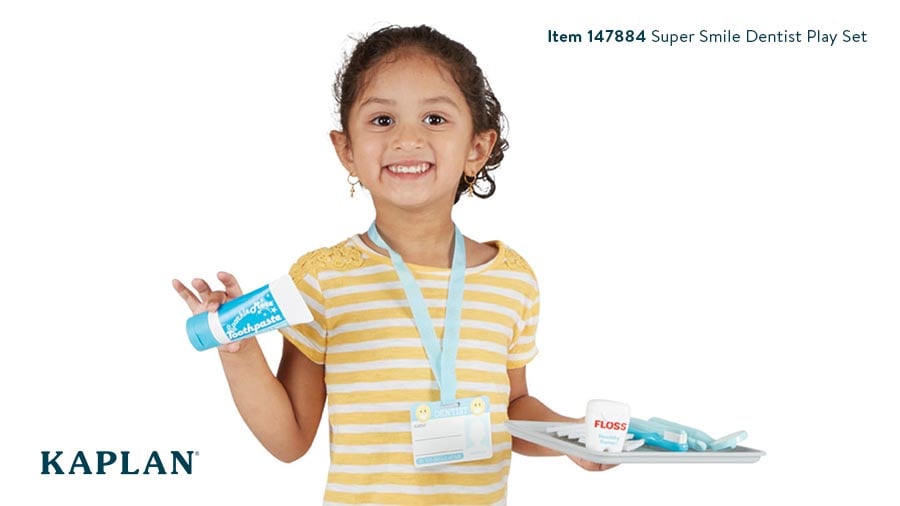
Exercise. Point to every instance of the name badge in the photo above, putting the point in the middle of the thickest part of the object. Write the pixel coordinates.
(447, 432)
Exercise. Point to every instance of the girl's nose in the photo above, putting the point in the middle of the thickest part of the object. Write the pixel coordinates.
(408, 137)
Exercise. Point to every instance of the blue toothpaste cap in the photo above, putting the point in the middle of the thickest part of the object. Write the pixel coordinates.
(199, 332)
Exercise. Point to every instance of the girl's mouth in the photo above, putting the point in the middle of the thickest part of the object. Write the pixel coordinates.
(408, 168)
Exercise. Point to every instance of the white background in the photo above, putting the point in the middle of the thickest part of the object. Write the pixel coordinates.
(715, 231)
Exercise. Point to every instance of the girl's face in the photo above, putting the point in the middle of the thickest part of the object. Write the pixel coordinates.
(409, 135)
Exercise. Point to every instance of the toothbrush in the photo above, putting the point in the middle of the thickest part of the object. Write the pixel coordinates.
(702, 440)
(659, 435)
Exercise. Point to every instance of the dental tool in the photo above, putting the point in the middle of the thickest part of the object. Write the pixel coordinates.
(659, 435)
(701, 440)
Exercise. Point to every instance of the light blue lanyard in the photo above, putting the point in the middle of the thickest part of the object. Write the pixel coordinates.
(443, 362)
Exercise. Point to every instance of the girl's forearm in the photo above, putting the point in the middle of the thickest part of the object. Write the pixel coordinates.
(264, 403)
(530, 408)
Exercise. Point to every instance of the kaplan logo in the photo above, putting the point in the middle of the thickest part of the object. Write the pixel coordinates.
(121, 462)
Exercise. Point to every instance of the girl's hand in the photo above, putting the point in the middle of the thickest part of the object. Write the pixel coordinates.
(587, 464)
(591, 466)
(210, 300)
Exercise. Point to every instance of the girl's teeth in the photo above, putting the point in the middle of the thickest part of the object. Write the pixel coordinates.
(409, 169)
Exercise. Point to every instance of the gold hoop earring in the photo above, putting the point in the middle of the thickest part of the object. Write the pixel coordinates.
(352, 184)
(471, 182)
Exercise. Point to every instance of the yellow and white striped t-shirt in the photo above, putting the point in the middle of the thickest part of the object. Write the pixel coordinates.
(376, 368)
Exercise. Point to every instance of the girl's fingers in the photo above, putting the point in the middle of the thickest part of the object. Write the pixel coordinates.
(186, 294)
(209, 299)
(232, 288)
(231, 347)
(591, 466)
(206, 299)
(202, 288)
(215, 299)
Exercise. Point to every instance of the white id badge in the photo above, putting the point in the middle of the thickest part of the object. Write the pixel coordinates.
(447, 432)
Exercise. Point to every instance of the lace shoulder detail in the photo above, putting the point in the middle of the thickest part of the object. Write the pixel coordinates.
(335, 258)
(513, 261)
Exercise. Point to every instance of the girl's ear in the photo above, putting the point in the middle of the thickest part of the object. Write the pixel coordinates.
(482, 146)
(341, 144)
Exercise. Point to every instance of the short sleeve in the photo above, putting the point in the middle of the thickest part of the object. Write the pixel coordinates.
(309, 338)
(522, 346)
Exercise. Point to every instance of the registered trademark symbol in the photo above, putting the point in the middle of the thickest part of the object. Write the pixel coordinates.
(196, 453)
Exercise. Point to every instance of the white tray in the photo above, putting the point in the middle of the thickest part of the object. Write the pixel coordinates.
(536, 433)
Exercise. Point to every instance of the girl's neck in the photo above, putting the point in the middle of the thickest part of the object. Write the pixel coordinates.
(419, 238)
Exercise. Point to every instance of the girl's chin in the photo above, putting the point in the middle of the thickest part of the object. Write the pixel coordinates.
(412, 200)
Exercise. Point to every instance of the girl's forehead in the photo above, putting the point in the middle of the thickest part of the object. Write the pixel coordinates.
(404, 62)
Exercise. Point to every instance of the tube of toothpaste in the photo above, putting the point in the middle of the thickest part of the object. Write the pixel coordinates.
(273, 306)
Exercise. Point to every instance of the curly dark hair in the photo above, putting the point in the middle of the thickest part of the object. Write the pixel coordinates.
(457, 59)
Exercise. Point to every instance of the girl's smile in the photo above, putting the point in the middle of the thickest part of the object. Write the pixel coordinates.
(409, 167)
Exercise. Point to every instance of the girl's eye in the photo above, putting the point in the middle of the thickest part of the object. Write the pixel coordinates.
(383, 121)
(434, 120)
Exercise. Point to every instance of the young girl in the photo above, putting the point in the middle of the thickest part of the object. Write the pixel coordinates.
(410, 317)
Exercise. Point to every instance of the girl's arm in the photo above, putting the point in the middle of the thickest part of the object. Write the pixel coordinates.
(283, 412)
(525, 407)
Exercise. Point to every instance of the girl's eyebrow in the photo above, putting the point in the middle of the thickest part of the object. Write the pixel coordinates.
(442, 99)
(376, 100)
